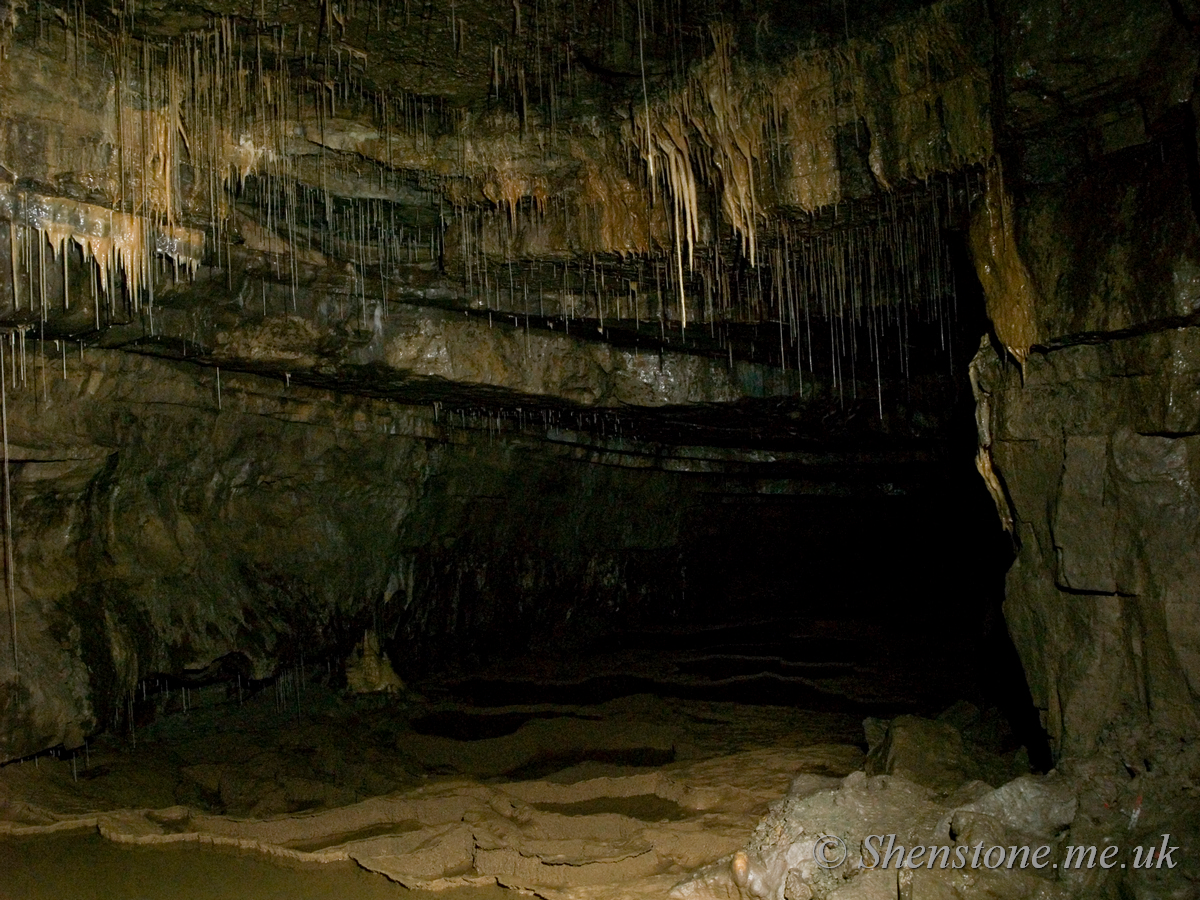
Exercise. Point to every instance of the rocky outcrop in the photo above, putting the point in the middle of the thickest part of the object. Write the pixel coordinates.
(177, 519)
(165, 520)
(1098, 444)
(1099, 450)
(875, 838)
(884, 836)
(623, 836)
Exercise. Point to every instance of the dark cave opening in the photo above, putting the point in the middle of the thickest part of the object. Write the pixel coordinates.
(784, 598)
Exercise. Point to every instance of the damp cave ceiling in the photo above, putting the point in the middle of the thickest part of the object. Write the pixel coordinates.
(496, 207)
(448, 50)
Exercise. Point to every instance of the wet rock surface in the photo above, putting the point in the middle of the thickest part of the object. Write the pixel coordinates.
(934, 754)
(179, 530)
(1093, 441)
(188, 528)
(755, 803)
(630, 791)
(446, 783)
(622, 818)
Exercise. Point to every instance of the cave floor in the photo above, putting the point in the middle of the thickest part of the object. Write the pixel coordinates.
(633, 763)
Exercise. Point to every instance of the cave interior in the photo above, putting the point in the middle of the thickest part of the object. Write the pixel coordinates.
(586, 450)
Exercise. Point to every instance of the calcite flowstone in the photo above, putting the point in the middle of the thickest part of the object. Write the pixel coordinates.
(522, 835)
(370, 671)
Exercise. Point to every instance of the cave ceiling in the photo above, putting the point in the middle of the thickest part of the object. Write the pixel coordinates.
(738, 225)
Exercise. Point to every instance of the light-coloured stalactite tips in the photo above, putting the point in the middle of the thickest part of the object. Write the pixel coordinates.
(913, 100)
(226, 102)
(118, 244)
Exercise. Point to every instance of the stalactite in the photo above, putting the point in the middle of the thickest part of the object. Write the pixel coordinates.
(1006, 283)
(9, 563)
(225, 101)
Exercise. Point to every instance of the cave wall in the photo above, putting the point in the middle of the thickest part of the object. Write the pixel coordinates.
(161, 526)
(1101, 600)
(1098, 441)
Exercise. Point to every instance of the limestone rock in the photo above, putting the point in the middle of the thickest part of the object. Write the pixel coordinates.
(795, 888)
(231, 533)
(785, 843)
(1098, 450)
(780, 860)
(874, 730)
(1035, 806)
(1096, 445)
(868, 886)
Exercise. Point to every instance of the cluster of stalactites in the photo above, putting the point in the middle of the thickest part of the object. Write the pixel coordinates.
(116, 243)
(766, 141)
(167, 112)
(219, 102)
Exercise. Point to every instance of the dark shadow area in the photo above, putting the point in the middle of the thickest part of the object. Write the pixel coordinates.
(465, 726)
(549, 763)
(753, 688)
(645, 807)
(846, 593)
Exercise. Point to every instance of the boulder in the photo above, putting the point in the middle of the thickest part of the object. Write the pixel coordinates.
(924, 751)
(1034, 806)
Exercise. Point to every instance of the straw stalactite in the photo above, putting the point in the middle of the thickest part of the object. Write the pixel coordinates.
(10, 589)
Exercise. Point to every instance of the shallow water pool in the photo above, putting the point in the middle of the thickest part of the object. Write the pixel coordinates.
(88, 867)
